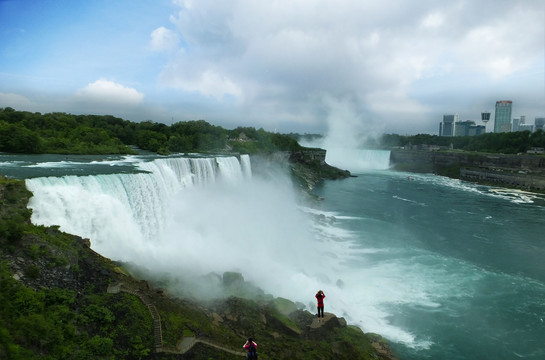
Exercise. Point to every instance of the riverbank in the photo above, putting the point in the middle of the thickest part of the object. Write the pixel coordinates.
(523, 171)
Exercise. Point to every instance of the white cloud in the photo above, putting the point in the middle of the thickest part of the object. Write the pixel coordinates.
(215, 85)
(163, 39)
(433, 20)
(109, 92)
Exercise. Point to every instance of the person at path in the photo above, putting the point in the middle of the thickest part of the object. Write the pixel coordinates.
(251, 347)
(320, 297)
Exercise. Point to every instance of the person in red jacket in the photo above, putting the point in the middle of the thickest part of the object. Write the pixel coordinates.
(251, 347)
(320, 297)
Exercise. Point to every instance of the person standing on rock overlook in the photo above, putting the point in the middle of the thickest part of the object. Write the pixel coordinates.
(251, 347)
(320, 297)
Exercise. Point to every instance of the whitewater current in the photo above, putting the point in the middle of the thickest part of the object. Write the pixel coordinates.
(441, 268)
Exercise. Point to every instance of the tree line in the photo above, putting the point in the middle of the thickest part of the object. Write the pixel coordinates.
(62, 133)
(505, 143)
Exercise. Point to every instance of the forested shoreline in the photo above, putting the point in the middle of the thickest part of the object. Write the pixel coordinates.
(505, 143)
(62, 133)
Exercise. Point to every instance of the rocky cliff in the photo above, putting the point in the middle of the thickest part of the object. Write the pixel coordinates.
(307, 166)
(523, 171)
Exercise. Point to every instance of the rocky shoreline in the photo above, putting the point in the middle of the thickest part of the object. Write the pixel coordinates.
(523, 171)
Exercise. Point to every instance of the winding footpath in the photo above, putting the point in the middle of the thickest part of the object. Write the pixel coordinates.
(185, 344)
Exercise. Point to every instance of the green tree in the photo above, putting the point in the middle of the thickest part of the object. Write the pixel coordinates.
(18, 139)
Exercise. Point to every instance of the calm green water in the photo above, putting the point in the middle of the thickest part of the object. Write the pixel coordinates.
(460, 267)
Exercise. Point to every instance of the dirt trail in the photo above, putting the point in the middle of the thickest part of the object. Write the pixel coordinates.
(185, 344)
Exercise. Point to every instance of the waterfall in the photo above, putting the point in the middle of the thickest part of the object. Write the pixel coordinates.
(230, 168)
(183, 218)
(246, 165)
(358, 160)
(122, 210)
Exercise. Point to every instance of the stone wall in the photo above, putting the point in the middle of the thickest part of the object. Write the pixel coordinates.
(518, 180)
(522, 171)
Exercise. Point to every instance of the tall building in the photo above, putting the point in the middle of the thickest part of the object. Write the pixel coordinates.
(526, 127)
(516, 124)
(540, 123)
(468, 128)
(485, 117)
(519, 124)
(461, 128)
(446, 128)
(502, 116)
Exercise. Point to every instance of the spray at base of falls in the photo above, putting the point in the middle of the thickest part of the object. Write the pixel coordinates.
(189, 217)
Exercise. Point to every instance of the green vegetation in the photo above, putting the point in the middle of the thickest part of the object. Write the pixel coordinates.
(40, 318)
(505, 143)
(50, 323)
(61, 133)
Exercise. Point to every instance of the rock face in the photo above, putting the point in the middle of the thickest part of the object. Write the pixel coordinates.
(520, 171)
(308, 166)
(328, 323)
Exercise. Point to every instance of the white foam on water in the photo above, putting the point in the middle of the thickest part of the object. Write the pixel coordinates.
(53, 164)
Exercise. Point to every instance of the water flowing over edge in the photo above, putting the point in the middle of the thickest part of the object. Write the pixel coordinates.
(358, 160)
(193, 216)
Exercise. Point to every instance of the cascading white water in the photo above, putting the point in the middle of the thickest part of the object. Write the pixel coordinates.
(119, 211)
(178, 208)
(357, 160)
(190, 217)
(230, 169)
(246, 165)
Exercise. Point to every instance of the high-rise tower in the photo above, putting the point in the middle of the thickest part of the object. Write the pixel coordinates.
(485, 116)
(447, 126)
(540, 123)
(502, 116)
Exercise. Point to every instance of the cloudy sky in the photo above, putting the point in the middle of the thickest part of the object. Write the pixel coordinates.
(391, 66)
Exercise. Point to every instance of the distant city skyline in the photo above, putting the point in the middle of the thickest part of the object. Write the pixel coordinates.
(503, 121)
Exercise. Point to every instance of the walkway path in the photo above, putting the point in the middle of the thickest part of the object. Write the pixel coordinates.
(157, 331)
(185, 344)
